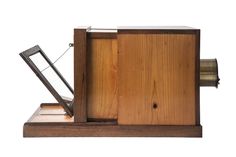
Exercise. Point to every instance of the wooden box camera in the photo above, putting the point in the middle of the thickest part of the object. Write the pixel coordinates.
(131, 81)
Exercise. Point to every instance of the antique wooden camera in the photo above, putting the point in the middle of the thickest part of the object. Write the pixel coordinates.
(129, 81)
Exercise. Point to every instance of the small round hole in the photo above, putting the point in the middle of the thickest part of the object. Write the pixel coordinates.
(154, 105)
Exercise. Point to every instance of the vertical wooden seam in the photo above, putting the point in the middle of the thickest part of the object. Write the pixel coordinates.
(80, 106)
(197, 78)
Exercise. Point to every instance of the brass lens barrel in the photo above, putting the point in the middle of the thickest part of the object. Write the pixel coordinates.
(209, 72)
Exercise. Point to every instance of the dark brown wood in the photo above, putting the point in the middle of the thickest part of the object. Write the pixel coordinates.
(107, 130)
(49, 104)
(102, 120)
(157, 30)
(80, 48)
(197, 78)
(102, 35)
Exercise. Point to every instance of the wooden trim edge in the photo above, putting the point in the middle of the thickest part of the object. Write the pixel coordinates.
(197, 79)
(102, 130)
(80, 55)
(158, 31)
(102, 35)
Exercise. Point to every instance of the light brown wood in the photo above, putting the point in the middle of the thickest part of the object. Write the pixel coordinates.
(156, 70)
(102, 78)
(53, 113)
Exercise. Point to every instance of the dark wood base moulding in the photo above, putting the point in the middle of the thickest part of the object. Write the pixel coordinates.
(76, 130)
(51, 121)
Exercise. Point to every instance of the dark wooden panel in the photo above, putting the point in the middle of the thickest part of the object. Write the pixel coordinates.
(108, 130)
(102, 35)
(170, 28)
(80, 48)
(156, 30)
(197, 77)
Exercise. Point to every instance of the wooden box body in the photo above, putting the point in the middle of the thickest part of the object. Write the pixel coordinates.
(138, 75)
(131, 81)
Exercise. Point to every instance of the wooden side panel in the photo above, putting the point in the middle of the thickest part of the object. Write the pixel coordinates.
(80, 53)
(102, 78)
(157, 79)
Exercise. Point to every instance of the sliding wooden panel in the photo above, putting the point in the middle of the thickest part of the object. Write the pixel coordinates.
(102, 78)
(157, 74)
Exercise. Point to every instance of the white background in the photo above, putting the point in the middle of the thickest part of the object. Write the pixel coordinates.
(25, 23)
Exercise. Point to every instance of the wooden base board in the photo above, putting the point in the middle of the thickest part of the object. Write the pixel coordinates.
(77, 130)
(50, 121)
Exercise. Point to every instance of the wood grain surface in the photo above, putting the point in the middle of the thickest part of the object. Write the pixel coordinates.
(50, 113)
(102, 78)
(108, 130)
(156, 79)
(80, 75)
(49, 120)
